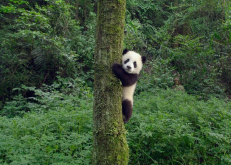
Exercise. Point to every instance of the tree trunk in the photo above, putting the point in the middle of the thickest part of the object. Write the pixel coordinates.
(109, 134)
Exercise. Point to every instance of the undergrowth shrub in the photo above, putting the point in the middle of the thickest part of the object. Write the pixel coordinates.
(156, 74)
(63, 135)
(63, 91)
(170, 127)
(40, 43)
(134, 38)
(167, 127)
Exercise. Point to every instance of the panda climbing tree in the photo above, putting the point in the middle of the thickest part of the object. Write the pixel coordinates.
(127, 72)
(109, 134)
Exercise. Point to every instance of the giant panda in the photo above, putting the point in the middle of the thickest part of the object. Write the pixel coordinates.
(128, 72)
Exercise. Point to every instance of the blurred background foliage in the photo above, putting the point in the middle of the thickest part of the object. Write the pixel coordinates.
(46, 39)
(41, 40)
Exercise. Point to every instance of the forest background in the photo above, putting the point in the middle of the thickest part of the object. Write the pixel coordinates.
(46, 81)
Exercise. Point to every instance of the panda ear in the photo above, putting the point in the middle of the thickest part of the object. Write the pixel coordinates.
(144, 59)
(125, 51)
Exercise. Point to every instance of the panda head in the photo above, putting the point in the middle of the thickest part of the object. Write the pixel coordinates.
(132, 62)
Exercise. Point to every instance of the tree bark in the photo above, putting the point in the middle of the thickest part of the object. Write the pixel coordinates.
(109, 134)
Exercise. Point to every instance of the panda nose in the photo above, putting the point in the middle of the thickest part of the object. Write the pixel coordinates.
(128, 67)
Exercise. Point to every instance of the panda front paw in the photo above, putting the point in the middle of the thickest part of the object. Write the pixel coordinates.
(115, 67)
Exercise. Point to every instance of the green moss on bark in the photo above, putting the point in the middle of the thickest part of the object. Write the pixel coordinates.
(110, 144)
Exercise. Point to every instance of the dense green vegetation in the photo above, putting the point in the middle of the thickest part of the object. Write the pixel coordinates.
(167, 127)
(171, 127)
(50, 38)
(59, 132)
(46, 81)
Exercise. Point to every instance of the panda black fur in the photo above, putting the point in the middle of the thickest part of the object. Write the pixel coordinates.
(128, 72)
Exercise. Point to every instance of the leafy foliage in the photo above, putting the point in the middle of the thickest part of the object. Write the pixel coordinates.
(30, 99)
(39, 43)
(56, 130)
(183, 32)
(45, 39)
(170, 127)
(167, 127)
(46, 68)
(60, 136)
(156, 74)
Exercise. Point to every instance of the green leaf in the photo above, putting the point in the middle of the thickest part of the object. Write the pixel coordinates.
(217, 36)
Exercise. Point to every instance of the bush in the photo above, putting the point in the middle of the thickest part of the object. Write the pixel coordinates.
(40, 43)
(167, 127)
(62, 91)
(62, 135)
(155, 74)
(170, 127)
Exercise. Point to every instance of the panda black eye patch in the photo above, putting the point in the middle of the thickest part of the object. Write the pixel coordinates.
(126, 61)
(135, 65)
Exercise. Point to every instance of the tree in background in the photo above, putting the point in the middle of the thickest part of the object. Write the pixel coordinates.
(43, 40)
(110, 144)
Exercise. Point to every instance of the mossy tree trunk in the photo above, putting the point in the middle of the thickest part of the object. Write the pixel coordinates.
(109, 135)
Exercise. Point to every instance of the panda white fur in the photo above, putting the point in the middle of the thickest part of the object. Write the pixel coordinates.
(128, 72)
